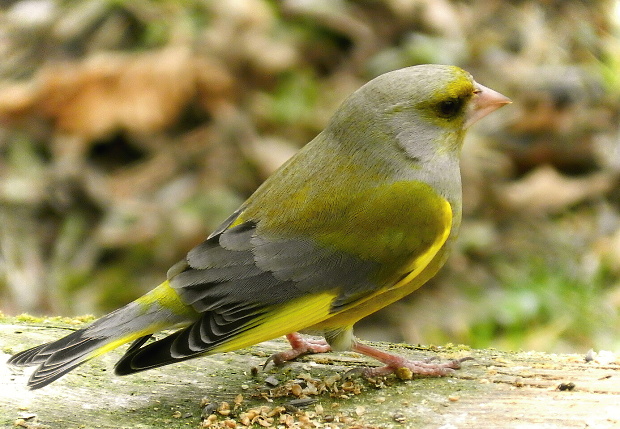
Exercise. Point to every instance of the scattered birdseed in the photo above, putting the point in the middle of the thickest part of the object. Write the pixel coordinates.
(224, 409)
(300, 390)
(399, 417)
(296, 390)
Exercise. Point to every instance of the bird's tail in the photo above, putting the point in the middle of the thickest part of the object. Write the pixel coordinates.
(137, 321)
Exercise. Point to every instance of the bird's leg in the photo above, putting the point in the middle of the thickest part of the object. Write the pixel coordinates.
(299, 346)
(394, 362)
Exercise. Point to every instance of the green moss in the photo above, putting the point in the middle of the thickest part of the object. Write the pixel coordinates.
(73, 321)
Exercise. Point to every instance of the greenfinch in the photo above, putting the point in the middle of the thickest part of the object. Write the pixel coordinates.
(361, 216)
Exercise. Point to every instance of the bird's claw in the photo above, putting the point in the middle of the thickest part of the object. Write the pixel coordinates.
(406, 369)
(271, 358)
(299, 346)
(359, 371)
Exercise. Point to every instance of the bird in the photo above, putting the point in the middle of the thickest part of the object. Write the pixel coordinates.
(361, 216)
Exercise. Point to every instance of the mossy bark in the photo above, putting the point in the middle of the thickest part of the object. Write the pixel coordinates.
(497, 389)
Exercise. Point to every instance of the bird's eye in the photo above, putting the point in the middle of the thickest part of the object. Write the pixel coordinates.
(450, 107)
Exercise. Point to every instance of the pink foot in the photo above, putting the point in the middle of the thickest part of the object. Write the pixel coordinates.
(299, 346)
(394, 363)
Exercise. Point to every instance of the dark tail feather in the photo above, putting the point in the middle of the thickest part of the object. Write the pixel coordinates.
(140, 358)
(199, 338)
(28, 357)
(136, 321)
(57, 358)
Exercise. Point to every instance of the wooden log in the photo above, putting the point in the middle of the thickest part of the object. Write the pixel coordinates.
(496, 390)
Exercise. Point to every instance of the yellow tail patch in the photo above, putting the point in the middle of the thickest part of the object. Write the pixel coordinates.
(123, 340)
(168, 298)
(163, 296)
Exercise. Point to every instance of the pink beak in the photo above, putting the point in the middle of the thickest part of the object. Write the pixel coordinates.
(485, 101)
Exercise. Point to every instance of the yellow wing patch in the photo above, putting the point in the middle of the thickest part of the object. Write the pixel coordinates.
(291, 317)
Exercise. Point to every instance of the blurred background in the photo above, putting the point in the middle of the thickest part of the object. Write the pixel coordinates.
(130, 129)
